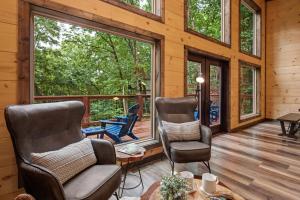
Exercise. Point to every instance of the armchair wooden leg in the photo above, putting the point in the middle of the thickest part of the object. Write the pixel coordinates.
(207, 165)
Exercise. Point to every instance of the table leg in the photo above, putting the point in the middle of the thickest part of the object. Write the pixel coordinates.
(282, 128)
(101, 135)
(141, 179)
(124, 181)
(292, 130)
(122, 186)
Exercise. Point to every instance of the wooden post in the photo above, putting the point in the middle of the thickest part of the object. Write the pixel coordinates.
(86, 116)
(140, 101)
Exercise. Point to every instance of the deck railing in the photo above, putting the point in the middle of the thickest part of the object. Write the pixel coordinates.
(89, 99)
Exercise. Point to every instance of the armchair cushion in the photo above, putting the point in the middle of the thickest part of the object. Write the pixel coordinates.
(96, 182)
(182, 131)
(192, 151)
(68, 161)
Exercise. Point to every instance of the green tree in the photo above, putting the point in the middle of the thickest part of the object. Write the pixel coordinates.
(246, 29)
(142, 4)
(72, 60)
(204, 16)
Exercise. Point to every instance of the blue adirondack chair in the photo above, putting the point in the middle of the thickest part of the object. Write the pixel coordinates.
(122, 126)
(213, 114)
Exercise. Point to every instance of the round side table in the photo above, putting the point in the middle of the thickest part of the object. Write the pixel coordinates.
(127, 162)
(153, 193)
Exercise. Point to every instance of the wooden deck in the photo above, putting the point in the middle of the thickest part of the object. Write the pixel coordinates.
(256, 163)
(142, 130)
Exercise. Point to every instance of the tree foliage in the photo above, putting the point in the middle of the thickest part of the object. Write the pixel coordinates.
(246, 29)
(204, 16)
(145, 5)
(72, 60)
(247, 83)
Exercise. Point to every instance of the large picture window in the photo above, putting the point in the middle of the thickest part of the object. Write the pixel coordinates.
(249, 28)
(107, 71)
(209, 18)
(249, 90)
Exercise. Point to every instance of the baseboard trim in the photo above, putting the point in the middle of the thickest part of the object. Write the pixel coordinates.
(246, 125)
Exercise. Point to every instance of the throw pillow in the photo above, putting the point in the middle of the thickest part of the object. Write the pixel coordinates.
(65, 163)
(182, 131)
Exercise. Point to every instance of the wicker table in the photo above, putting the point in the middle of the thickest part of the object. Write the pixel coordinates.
(153, 192)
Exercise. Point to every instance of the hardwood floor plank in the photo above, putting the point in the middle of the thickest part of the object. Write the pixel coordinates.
(255, 163)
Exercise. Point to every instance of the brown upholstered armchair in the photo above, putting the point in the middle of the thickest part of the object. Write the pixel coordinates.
(51, 126)
(180, 110)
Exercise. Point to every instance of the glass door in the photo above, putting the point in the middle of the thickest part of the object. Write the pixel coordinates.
(214, 91)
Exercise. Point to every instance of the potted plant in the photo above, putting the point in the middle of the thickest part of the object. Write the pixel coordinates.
(173, 188)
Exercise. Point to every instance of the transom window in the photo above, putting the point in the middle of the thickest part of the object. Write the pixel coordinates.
(152, 6)
(249, 27)
(210, 18)
(147, 8)
(249, 90)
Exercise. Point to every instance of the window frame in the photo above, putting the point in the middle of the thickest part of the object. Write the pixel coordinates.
(26, 52)
(225, 24)
(256, 94)
(257, 28)
(160, 17)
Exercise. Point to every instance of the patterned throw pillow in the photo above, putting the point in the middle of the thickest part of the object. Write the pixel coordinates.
(68, 161)
(182, 131)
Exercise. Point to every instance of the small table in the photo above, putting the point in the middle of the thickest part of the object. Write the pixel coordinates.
(94, 130)
(293, 119)
(128, 161)
(153, 192)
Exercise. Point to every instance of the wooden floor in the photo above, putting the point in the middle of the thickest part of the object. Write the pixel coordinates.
(256, 163)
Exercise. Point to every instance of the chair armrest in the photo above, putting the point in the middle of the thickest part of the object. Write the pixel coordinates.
(41, 183)
(165, 140)
(112, 122)
(104, 151)
(206, 135)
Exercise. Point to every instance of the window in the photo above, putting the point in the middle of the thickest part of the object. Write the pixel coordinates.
(147, 8)
(193, 69)
(250, 28)
(151, 6)
(249, 90)
(210, 18)
(107, 71)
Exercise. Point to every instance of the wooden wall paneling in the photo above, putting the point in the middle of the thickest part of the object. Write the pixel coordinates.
(8, 179)
(12, 195)
(6, 152)
(8, 92)
(8, 37)
(283, 58)
(8, 66)
(173, 73)
(9, 12)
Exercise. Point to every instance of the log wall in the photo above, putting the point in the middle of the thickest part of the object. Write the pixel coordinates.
(175, 39)
(283, 57)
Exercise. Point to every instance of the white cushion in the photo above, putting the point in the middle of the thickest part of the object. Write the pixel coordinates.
(182, 131)
(68, 161)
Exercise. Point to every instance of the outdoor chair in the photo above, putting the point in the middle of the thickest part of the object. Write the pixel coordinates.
(122, 126)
